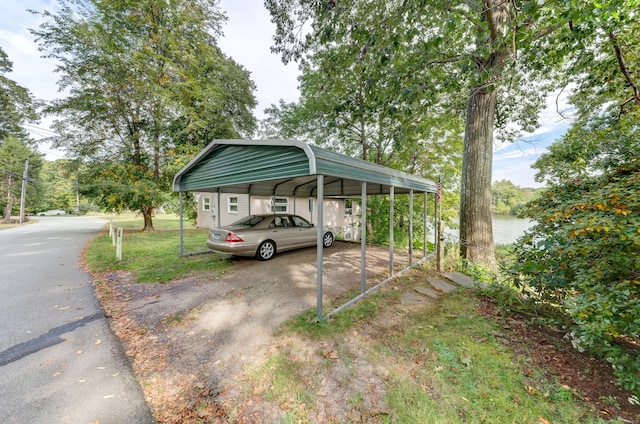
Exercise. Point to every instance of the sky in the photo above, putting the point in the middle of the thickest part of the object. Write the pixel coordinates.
(247, 39)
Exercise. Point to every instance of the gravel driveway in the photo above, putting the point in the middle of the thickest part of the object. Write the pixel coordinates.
(200, 331)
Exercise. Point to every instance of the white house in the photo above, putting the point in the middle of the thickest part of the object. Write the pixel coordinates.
(340, 214)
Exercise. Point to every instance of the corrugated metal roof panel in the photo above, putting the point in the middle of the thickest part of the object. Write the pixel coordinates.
(235, 164)
(288, 167)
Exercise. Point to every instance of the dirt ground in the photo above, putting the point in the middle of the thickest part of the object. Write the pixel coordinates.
(201, 331)
(190, 340)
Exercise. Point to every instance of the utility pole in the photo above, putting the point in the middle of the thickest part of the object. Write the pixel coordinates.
(77, 198)
(25, 176)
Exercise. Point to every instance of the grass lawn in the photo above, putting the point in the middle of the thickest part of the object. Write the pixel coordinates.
(153, 256)
(449, 362)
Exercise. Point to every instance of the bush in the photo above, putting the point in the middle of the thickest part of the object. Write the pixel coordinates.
(584, 254)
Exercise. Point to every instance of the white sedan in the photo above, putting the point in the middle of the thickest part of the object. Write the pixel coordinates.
(52, 212)
(264, 235)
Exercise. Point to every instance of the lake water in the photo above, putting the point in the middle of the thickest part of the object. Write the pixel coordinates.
(506, 229)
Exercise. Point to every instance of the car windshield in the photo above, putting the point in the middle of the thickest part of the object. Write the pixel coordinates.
(248, 221)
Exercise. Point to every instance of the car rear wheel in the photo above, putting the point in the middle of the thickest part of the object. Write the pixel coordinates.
(327, 240)
(266, 250)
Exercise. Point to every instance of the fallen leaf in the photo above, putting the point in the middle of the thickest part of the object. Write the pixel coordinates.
(108, 396)
(79, 352)
(98, 341)
(82, 381)
(331, 354)
(542, 421)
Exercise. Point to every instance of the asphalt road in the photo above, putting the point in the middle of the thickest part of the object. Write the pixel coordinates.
(59, 360)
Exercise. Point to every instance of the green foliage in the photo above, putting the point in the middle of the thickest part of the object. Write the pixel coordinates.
(17, 105)
(13, 153)
(145, 79)
(117, 187)
(584, 251)
(58, 187)
(507, 198)
(378, 213)
(392, 86)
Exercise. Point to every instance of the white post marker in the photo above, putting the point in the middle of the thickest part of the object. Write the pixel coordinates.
(112, 234)
(119, 244)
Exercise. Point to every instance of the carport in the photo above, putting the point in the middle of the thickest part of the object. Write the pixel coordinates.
(296, 169)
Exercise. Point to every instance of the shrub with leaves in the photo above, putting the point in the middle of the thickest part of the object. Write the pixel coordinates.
(584, 253)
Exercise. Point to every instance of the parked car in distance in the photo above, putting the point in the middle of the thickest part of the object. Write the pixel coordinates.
(52, 212)
(263, 236)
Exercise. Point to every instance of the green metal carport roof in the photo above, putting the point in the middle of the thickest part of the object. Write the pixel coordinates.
(288, 168)
(294, 168)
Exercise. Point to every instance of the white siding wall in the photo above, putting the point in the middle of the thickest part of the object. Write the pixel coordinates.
(334, 209)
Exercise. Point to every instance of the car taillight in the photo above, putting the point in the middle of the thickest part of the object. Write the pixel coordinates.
(232, 238)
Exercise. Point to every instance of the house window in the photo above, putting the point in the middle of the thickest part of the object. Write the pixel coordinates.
(206, 203)
(232, 204)
(310, 204)
(280, 204)
(348, 207)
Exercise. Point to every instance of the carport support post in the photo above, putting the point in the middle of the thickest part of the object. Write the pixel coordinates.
(319, 237)
(181, 227)
(391, 196)
(410, 227)
(220, 208)
(363, 240)
(435, 220)
(424, 227)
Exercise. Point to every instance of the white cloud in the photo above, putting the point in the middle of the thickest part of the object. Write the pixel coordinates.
(248, 39)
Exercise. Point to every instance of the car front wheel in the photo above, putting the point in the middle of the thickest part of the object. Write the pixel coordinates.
(266, 250)
(327, 240)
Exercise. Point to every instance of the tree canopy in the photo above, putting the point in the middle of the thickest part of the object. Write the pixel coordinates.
(148, 86)
(17, 105)
(412, 66)
(14, 152)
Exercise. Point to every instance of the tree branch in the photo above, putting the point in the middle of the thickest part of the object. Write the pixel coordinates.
(625, 70)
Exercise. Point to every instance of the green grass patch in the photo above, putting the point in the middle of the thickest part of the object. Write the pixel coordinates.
(464, 374)
(153, 256)
(307, 324)
(445, 364)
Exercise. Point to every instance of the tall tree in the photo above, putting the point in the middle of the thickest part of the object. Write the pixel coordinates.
(460, 55)
(16, 102)
(147, 84)
(13, 154)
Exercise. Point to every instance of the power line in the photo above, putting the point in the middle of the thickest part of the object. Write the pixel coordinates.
(39, 131)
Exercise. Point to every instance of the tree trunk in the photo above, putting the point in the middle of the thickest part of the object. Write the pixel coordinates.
(147, 213)
(476, 234)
